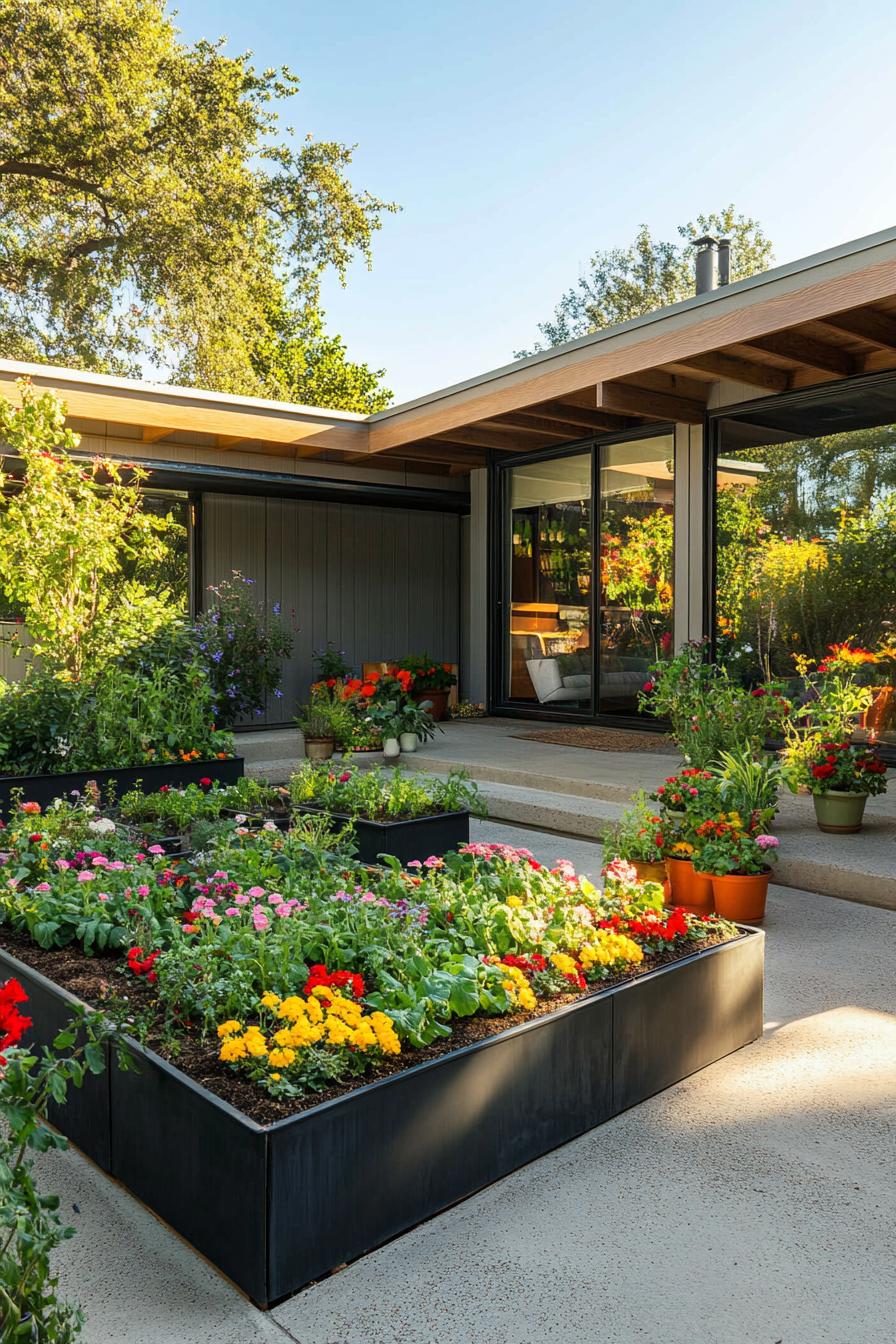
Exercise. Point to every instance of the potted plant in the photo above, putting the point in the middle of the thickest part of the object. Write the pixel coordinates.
(432, 681)
(417, 725)
(638, 838)
(315, 722)
(841, 776)
(737, 864)
(686, 799)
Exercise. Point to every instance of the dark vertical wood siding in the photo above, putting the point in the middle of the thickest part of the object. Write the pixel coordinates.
(379, 583)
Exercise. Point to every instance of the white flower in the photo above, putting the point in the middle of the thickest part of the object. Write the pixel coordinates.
(101, 825)
(240, 818)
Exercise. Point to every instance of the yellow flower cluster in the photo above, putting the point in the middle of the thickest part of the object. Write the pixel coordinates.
(518, 987)
(609, 949)
(307, 1022)
(514, 902)
(564, 964)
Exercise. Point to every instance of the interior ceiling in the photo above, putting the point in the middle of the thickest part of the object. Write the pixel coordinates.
(853, 342)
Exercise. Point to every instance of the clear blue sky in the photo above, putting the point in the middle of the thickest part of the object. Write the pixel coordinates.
(519, 137)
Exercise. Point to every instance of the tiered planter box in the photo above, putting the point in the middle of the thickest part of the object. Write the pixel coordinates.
(277, 1206)
(405, 840)
(44, 788)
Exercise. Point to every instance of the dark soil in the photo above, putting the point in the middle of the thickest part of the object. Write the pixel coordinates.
(104, 978)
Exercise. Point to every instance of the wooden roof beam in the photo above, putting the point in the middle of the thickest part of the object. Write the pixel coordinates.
(627, 399)
(514, 441)
(807, 350)
(720, 365)
(152, 433)
(533, 424)
(580, 418)
(867, 324)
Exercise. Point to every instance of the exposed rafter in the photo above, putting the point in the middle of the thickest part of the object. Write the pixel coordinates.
(628, 399)
(808, 350)
(511, 442)
(152, 433)
(868, 325)
(739, 370)
(579, 418)
(532, 424)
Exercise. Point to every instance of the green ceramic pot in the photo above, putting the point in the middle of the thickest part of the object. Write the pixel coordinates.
(839, 813)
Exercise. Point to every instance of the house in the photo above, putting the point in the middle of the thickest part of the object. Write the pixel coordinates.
(725, 468)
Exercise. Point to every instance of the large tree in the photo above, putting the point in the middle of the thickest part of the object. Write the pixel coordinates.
(626, 282)
(153, 212)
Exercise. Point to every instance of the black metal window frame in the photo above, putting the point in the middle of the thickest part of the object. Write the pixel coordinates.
(817, 395)
(498, 578)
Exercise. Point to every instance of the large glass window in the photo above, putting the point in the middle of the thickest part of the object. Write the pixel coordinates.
(806, 550)
(636, 564)
(549, 563)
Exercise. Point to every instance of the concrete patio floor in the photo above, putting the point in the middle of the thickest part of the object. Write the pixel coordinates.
(753, 1203)
(578, 792)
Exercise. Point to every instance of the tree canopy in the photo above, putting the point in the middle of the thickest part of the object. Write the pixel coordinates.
(153, 210)
(626, 282)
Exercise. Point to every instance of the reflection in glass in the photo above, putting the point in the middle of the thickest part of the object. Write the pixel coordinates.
(806, 557)
(550, 567)
(636, 566)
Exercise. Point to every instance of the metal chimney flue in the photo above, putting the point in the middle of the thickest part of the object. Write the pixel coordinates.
(724, 261)
(707, 264)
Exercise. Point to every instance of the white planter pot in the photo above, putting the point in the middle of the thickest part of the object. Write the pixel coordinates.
(391, 748)
(409, 741)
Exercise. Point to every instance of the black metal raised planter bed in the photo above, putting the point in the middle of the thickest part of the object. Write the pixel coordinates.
(277, 1206)
(44, 788)
(405, 840)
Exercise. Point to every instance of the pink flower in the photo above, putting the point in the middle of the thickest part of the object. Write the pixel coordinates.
(433, 862)
(43, 886)
(241, 898)
(415, 863)
(344, 777)
(102, 895)
(260, 920)
(99, 861)
(86, 876)
(274, 898)
(62, 864)
(231, 910)
(139, 858)
(143, 891)
(255, 892)
(284, 910)
(767, 841)
(155, 849)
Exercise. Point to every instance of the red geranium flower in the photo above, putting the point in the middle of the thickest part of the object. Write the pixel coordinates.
(13, 1024)
(205, 782)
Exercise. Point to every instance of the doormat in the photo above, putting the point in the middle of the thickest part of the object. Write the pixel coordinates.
(603, 739)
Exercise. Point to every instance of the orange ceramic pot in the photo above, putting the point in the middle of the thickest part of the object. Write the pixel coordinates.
(741, 896)
(691, 889)
(649, 872)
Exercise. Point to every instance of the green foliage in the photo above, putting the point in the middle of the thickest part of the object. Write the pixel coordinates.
(155, 209)
(128, 716)
(637, 836)
(626, 282)
(242, 648)
(382, 795)
(330, 663)
(30, 1226)
(428, 673)
(77, 550)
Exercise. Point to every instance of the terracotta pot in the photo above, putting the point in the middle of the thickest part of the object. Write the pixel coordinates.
(691, 889)
(439, 706)
(741, 896)
(839, 813)
(649, 872)
(319, 748)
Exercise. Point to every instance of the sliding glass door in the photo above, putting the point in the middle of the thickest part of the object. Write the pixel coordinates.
(568, 576)
(636, 566)
(548, 557)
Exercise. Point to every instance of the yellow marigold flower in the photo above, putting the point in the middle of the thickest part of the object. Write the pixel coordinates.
(526, 998)
(275, 1077)
(337, 1032)
(322, 992)
(270, 1000)
(314, 1010)
(564, 964)
(254, 1041)
(364, 1037)
(234, 1048)
(292, 1008)
(229, 1028)
(386, 1035)
(281, 1059)
(514, 902)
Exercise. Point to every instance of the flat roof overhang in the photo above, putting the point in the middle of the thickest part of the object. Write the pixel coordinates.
(820, 320)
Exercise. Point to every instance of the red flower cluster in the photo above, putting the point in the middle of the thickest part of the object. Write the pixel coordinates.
(13, 1024)
(341, 980)
(205, 782)
(650, 925)
(141, 965)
